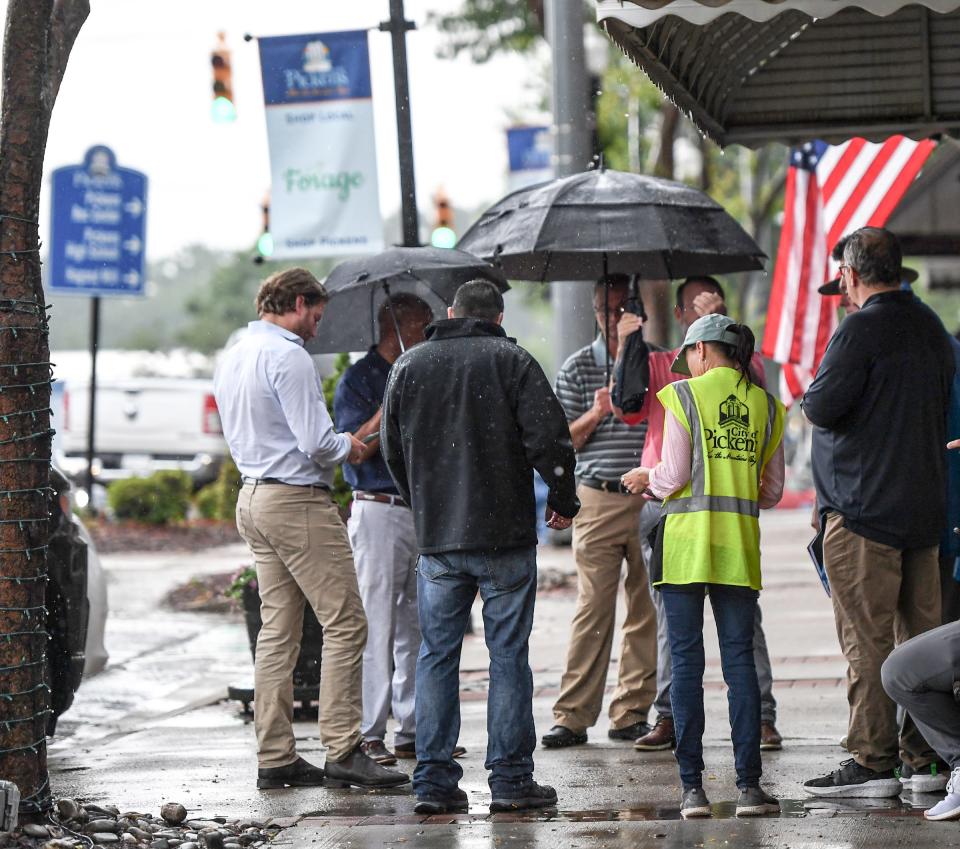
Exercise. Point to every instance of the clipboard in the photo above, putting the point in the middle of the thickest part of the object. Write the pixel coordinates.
(815, 550)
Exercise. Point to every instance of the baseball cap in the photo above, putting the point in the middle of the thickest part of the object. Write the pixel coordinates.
(707, 328)
(832, 287)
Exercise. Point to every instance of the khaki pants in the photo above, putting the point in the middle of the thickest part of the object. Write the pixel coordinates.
(302, 552)
(606, 532)
(880, 596)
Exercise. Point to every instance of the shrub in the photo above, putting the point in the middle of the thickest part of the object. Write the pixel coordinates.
(218, 500)
(342, 494)
(159, 499)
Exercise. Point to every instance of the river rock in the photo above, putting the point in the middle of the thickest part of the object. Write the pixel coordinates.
(214, 840)
(128, 838)
(105, 838)
(67, 809)
(173, 812)
(189, 845)
(159, 843)
(60, 843)
(32, 829)
(101, 825)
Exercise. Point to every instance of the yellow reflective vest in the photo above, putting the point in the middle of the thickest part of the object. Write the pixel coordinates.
(711, 528)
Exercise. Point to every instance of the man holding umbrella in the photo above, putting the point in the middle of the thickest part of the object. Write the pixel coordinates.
(382, 536)
(605, 534)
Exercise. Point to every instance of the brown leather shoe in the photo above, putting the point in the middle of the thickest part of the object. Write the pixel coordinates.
(376, 750)
(662, 737)
(770, 739)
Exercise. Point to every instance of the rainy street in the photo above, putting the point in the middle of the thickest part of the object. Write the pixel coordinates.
(156, 727)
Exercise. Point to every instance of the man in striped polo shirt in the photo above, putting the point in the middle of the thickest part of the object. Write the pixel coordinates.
(605, 534)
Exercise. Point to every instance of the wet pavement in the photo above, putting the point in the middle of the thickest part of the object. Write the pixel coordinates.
(155, 727)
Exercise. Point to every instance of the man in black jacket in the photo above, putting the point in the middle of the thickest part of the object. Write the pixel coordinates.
(879, 404)
(467, 416)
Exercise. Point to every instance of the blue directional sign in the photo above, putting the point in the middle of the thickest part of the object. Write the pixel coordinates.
(98, 227)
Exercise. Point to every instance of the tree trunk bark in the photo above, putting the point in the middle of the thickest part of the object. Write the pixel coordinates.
(37, 41)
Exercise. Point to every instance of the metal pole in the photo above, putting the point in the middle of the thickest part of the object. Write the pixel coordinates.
(398, 26)
(573, 319)
(92, 394)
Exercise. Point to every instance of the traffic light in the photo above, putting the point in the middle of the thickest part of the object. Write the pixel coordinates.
(443, 235)
(223, 109)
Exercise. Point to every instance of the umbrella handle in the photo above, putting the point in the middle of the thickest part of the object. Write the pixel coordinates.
(606, 318)
(393, 316)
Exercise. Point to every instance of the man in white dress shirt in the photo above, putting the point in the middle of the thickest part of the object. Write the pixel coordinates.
(280, 434)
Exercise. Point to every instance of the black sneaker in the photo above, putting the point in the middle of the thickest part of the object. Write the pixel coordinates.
(694, 803)
(527, 798)
(455, 800)
(630, 732)
(855, 781)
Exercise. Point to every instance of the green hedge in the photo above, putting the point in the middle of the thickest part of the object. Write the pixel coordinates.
(218, 500)
(159, 499)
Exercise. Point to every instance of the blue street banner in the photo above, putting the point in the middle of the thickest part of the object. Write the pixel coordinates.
(529, 150)
(98, 227)
(324, 199)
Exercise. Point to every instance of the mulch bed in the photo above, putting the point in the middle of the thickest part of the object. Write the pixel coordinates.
(203, 594)
(112, 537)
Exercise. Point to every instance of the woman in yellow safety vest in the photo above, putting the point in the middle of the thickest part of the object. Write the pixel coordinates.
(722, 461)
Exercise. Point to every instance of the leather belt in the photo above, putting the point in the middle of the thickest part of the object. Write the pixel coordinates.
(605, 486)
(380, 498)
(278, 482)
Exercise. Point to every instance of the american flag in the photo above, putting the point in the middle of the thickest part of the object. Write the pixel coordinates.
(831, 190)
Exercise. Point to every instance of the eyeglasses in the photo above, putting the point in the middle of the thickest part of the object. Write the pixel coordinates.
(615, 311)
(843, 268)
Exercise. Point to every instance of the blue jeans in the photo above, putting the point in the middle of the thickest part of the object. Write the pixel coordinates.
(734, 609)
(446, 587)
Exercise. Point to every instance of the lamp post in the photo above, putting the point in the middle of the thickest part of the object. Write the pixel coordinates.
(573, 320)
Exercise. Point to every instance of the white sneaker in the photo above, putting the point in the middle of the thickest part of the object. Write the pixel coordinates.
(947, 808)
(929, 779)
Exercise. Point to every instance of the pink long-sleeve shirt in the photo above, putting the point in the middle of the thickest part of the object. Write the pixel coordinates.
(653, 411)
(673, 471)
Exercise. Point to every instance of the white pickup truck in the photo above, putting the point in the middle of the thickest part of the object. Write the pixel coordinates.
(143, 425)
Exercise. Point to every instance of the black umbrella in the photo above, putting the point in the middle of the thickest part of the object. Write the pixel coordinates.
(358, 287)
(602, 221)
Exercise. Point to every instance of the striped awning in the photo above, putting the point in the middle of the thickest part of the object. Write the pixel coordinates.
(753, 71)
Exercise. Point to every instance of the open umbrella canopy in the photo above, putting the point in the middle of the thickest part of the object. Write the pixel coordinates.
(358, 287)
(602, 221)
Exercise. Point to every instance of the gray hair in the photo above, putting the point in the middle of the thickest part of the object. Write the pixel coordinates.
(874, 253)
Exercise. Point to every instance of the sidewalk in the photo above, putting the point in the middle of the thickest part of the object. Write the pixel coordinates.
(152, 729)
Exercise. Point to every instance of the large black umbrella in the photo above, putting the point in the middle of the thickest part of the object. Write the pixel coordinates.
(358, 287)
(602, 221)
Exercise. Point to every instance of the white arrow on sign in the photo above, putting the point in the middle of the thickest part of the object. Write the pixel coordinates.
(134, 207)
(131, 278)
(133, 244)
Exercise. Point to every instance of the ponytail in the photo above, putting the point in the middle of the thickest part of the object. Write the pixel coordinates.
(742, 352)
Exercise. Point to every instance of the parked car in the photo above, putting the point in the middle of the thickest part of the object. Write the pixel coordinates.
(143, 425)
(76, 603)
